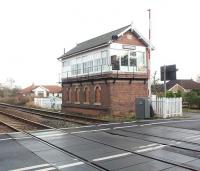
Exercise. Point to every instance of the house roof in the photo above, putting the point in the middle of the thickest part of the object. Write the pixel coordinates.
(185, 83)
(51, 88)
(27, 89)
(102, 40)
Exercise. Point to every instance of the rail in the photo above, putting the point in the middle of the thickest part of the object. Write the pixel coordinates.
(19, 123)
(9, 126)
(82, 120)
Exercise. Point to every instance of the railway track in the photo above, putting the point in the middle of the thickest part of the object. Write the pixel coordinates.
(74, 118)
(18, 124)
(4, 128)
(95, 165)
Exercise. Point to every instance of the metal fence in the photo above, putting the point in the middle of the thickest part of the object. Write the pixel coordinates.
(167, 107)
(49, 102)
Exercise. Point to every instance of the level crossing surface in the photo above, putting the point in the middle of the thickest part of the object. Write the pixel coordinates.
(170, 145)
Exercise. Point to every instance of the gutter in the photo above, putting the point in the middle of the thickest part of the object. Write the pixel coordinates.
(83, 51)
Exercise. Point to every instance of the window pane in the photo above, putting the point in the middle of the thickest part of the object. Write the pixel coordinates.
(97, 65)
(79, 68)
(90, 66)
(115, 62)
(104, 54)
(74, 69)
(85, 67)
(97, 62)
(133, 61)
(141, 62)
(124, 58)
(105, 61)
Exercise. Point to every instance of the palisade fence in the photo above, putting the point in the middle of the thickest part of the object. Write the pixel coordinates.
(49, 102)
(167, 107)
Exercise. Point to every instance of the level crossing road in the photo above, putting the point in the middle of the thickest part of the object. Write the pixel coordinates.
(152, 145)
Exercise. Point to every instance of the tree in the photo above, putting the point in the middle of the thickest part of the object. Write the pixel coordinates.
(170, 94)
(193, 99)
(179, 94)
(10, 83)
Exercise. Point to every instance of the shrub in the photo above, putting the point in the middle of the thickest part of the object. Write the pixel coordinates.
(170, 94)
(193, 99)
(16, 100)
(179, 94)
(31, 104)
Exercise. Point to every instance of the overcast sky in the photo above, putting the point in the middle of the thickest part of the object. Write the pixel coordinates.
(33, 33)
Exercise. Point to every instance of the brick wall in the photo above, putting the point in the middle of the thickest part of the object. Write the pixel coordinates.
(85, 107)
(116, 98)
(129, 38)
(123, 96)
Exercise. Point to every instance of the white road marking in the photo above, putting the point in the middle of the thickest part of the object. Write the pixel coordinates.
(77, 127)
(146, 124)
(47, 169)
(87, 126)
(5, 139)
(70, 165)
(150, 145)
(130, 122)
(150, 149)
(155, 123)
(94, 130)
(107, 124)
(121, 127)
(51, 135)
(31, 167)
(112, 156)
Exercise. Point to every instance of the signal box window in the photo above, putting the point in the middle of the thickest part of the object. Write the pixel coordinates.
(115, 62)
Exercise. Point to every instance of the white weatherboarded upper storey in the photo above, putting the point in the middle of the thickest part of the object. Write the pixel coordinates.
(101, 54)
(102, 41)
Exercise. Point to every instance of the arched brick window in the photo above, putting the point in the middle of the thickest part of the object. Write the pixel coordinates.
(86, 95)
(69, 95)
(77, 95)
(97, 93)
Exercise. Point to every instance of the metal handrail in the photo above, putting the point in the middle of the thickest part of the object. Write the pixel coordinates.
(92, 71)
(86, 71)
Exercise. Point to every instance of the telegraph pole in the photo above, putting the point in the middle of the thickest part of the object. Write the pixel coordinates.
(149, 57)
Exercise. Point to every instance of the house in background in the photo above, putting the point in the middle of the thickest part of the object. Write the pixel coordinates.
(105, 74)
(42, 91)
(182, 85)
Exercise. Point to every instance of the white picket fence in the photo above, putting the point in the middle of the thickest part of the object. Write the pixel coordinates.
(49, 102)
(167, 107)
